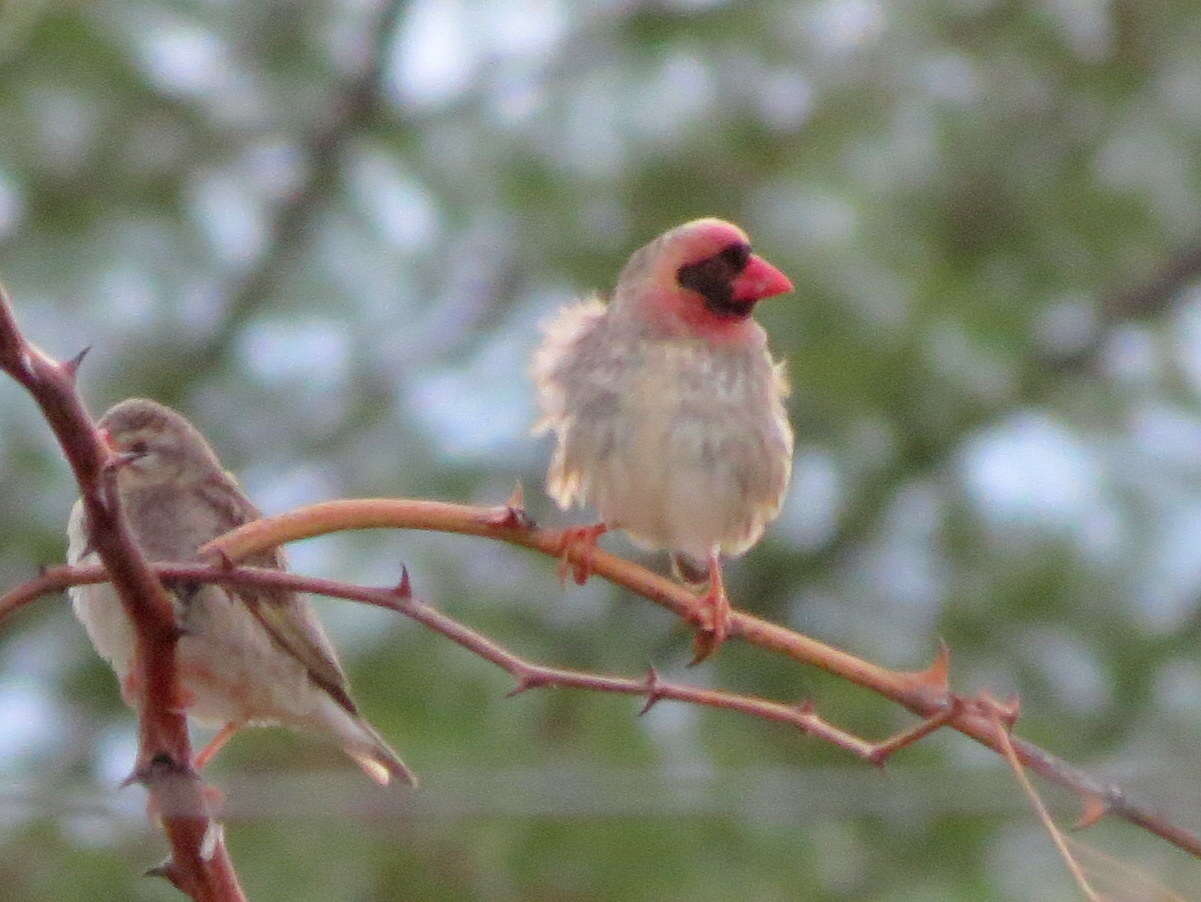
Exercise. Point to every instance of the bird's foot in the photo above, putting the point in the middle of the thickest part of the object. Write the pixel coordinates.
(576, 547)
(714, 615)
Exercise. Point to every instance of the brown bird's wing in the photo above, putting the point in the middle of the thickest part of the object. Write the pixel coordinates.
(286, 616)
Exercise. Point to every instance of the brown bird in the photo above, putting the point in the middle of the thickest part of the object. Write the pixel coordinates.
(246, 656)
(667, 407)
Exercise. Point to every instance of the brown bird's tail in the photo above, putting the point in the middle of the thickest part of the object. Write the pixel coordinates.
(377, 759)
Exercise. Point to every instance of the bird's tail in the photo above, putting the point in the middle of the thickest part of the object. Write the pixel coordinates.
(377, 759)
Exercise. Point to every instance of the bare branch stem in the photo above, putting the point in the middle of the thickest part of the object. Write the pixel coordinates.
(923, 692)
(527, 674)
(1044, 816)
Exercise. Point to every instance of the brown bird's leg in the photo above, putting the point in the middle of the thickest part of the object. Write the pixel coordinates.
(579, 542)
(217, 743)
(715, 632)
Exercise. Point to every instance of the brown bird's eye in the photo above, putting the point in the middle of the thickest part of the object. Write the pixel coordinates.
(139, 447)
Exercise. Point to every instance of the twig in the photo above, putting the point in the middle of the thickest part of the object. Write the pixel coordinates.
(1041, 809)
(1131, 882)
(199, 865)
(527, 674)
(924, 692)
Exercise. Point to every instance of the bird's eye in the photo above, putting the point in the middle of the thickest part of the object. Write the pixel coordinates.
(736, 256)
(139, 447)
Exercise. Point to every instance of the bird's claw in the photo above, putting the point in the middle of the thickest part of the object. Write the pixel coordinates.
(713, 615)
(714, 621)
(576, 548)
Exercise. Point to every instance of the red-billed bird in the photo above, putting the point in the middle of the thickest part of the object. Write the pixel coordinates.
(668, 409)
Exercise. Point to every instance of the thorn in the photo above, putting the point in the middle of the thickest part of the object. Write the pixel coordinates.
(1011, 709)
(404, 589)
(653, 687)
(512, 514)
(166, 870)
(161, 762)
(1094, 808)
(936, 677)
(524, 684)
(516, 500)
(704, 643)
(43, 569)
(806, 707)
(71, 367)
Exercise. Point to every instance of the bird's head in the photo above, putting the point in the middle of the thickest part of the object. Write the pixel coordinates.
(700, 277)
(154, 445)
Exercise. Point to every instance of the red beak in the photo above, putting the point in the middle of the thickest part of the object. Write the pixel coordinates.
(759, 280)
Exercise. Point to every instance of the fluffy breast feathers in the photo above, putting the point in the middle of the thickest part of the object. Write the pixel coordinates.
(684, 445)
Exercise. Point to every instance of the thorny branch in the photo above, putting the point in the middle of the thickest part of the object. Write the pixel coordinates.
(926, 693)
(527, 674)
(1044, 816)
(199, 864)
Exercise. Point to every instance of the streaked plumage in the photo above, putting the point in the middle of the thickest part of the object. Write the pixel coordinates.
(247, 656)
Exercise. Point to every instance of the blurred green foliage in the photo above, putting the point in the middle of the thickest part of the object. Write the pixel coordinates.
(996, 408)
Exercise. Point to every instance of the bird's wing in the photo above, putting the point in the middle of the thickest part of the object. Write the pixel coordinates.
(286, 616)
(577, 372)
(559, 355)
